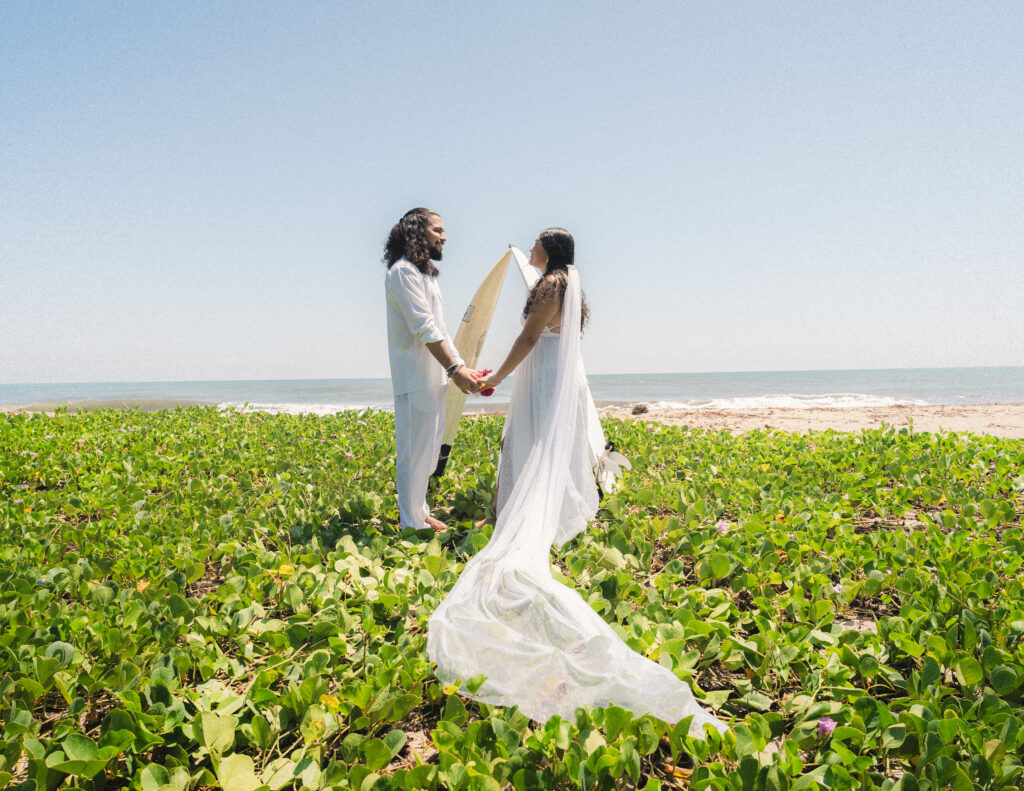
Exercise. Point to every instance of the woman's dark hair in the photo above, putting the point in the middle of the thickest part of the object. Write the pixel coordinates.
(409, 239)
(561, 250)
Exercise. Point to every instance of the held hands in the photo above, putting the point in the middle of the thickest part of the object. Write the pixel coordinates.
(466, 379)
(487, 383)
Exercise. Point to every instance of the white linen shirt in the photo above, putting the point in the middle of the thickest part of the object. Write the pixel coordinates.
(415, 318)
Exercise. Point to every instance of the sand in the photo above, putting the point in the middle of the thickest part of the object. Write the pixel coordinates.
(998, 420)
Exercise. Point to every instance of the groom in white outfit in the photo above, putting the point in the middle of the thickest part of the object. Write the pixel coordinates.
(423, 358)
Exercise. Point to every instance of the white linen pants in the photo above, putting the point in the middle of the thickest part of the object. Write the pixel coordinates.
(419, 429)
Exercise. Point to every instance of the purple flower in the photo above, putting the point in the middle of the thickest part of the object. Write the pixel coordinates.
(792, 535)
(48, 436)
(32, 454)
(696, 458)
(348, 455)
(24, 486)
(17, 501)
(825, 727)
(837, 588)
(723, 527)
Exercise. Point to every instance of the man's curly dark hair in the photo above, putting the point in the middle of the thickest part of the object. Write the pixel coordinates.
(409, 239)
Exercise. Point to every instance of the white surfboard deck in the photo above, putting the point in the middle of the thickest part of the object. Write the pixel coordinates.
(469, 340)
(607, 464)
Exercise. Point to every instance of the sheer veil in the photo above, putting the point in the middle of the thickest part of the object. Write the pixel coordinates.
(540, 645)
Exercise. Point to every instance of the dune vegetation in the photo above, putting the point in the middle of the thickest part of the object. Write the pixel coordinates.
(200, 599)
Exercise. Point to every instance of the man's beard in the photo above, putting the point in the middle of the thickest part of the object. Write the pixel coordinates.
(435, 253)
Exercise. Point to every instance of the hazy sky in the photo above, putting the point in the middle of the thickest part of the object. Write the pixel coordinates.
(201, 190)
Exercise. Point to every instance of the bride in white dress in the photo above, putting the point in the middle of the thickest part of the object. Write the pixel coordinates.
(539, 644)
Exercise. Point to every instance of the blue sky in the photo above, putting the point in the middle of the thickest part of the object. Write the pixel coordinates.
(202, 190)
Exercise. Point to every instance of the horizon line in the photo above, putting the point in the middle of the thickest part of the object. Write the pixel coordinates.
(645, 373)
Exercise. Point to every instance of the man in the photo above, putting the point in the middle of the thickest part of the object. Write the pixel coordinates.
(423, 358)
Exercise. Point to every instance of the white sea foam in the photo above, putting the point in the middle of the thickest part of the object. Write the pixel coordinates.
(790, 401)
(472, 408)
(293, 408)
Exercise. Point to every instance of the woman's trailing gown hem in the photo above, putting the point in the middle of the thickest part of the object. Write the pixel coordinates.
(539, 644)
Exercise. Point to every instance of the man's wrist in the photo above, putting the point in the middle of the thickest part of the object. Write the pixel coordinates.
(452, 369)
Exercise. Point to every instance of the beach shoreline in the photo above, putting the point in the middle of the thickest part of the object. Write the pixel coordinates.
(998, 420)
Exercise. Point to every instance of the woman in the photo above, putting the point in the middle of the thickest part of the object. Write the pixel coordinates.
(536, 351)
(539, 644)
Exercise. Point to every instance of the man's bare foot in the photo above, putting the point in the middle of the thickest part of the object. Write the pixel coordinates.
(481, 523)
(436, 525)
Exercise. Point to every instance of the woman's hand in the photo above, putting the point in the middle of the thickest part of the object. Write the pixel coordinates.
(487, 381)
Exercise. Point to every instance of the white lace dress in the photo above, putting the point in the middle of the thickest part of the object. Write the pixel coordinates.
(533, 398)
(539, 644)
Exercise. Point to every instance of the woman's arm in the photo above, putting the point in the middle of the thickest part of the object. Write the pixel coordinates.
(544, 310)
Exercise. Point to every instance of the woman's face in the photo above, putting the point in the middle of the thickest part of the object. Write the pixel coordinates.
(539, 256)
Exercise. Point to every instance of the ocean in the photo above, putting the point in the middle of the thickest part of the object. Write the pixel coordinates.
(750, 390)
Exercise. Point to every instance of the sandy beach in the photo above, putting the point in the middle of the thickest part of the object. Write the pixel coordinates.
(998, 420)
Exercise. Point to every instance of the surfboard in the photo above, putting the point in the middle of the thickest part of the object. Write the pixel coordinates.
(469, 340)
(608, 464)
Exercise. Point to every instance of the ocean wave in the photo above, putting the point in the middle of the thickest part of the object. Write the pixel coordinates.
(294, 408)
(789, 401)
(472, 408)
(73, 405)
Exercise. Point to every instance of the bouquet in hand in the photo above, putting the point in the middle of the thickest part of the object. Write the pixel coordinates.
(487, 391)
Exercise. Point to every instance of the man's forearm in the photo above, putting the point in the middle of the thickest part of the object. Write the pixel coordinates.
(442, 354)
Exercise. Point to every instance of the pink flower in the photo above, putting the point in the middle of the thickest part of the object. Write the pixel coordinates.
(80, 441)
(348, 455)
(17, 501)
(723, 527)
(792, 535)
(837, 588)
(825, 727)
(33, 455)
(24, 486)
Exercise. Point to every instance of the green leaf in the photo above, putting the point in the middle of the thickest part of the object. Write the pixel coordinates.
(395, 740)
(61, 651)
(720, 565)
(217, 731)
(80, 756)
(376, 753)
(757, 700)
(868, 665)
(473, 684)
(615, 720)
(152, 777)
(238, 773)
(969, 671)
(79, 748)
(455, 710)
(1003, 679)
(279, 773)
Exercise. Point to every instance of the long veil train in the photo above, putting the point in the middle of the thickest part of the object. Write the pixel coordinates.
(539, 644)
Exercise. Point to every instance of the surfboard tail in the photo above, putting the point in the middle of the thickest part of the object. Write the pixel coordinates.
(442, 461)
